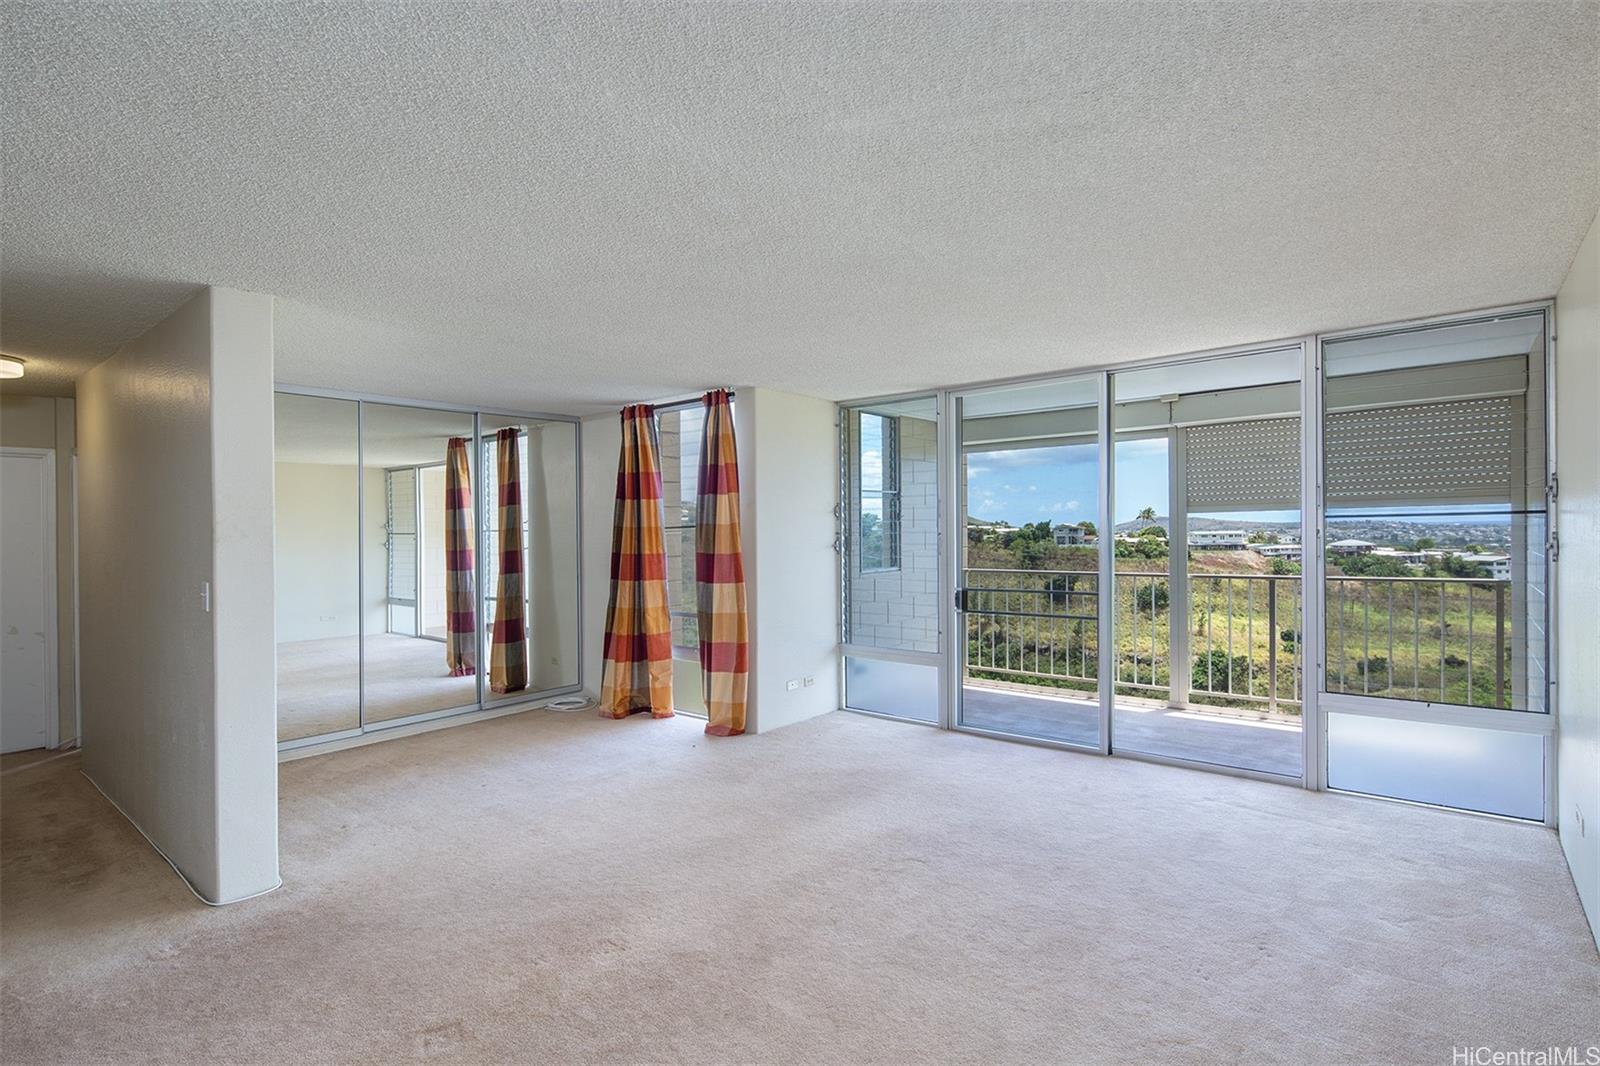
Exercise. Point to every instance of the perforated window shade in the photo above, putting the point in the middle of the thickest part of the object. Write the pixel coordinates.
(1454, 451)
(1243, 466)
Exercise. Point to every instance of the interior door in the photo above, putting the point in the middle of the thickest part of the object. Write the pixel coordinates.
(27, 617)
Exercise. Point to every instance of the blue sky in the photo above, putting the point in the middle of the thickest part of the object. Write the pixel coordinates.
(1062, 484)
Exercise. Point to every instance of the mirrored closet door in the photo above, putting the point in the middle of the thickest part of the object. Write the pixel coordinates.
(427, 562)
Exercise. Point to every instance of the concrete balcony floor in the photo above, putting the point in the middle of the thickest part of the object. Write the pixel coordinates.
(1138, 726)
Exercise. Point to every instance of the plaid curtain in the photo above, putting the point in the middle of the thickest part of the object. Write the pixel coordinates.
(460, 630)
(508, 644)
(719, 574)
(638, 649)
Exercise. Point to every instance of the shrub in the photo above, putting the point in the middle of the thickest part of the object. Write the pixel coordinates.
(1142, 548)
(1154, 593)
(1216, 672)
(1060, 586)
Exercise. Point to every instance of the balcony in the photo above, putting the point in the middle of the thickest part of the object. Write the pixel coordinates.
(1033, 657)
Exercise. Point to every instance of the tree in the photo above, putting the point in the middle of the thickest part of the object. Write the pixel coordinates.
(1423, 544)
(1153, 531)
(1262, 536)
(1147, 515)
(1371, 565)
(1453, 565)
(1089, 528)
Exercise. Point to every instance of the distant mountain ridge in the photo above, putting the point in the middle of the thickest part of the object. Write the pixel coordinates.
(1383, 530)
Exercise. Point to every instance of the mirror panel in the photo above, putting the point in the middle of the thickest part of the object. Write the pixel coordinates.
(317, 565)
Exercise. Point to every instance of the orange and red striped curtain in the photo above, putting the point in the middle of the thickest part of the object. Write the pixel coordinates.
(460, 628)
(638, 651)
(508, 644)
(719, 573)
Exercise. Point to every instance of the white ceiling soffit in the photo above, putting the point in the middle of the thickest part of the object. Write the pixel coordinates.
(569, 207)
(1514, 335)
(1133, 386)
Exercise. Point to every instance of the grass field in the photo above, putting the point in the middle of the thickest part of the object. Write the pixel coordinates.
(1424, 639)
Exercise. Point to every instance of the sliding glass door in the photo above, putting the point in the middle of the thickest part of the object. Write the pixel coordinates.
(1028, 605)
(1321, 561)
(1206, 553)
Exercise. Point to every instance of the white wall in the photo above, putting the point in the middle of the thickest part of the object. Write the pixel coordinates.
(245, 680)
(787, 463)
(602, 438)
(551, 489)
(51, 422)
(792, 482)
(1578, 574)
(179, 718)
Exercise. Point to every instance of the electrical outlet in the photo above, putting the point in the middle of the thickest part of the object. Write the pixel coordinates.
(808, 682)
(792, 685)
(1577, 816)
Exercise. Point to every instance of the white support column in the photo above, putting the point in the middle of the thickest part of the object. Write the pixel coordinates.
(1179, 615)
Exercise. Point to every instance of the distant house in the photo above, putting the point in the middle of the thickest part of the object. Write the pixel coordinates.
(1218, 539)
(1070, 536)
(1277, 551)
(1499, 566)
(1351, 547)
(996, 528)
(1410, 558)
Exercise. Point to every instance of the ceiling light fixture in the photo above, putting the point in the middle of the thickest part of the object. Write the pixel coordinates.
(10, 366)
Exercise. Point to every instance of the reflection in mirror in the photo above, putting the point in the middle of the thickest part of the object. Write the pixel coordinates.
(530, 607)
(318, 598)
(421, 650)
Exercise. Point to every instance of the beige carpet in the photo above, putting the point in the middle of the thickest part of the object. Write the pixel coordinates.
(317, 683)
(557, 888)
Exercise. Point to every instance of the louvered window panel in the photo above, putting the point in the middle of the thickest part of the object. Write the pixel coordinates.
(1243, 466)
(402, 524)
(1455, 451)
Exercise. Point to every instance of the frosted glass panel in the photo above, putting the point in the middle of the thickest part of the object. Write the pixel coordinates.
(1488, 770)
(905, 690)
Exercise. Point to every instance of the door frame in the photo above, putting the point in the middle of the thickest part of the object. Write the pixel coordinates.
(52, 688)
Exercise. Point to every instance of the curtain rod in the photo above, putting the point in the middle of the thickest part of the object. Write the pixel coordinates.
(677, 404)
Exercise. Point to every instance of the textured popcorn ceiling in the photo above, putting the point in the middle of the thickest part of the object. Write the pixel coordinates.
(565, 209)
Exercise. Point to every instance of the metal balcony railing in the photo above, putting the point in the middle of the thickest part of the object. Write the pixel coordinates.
(1440, 639)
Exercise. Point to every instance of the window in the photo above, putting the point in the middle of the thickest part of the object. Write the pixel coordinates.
(680, 431)
(879, 503)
